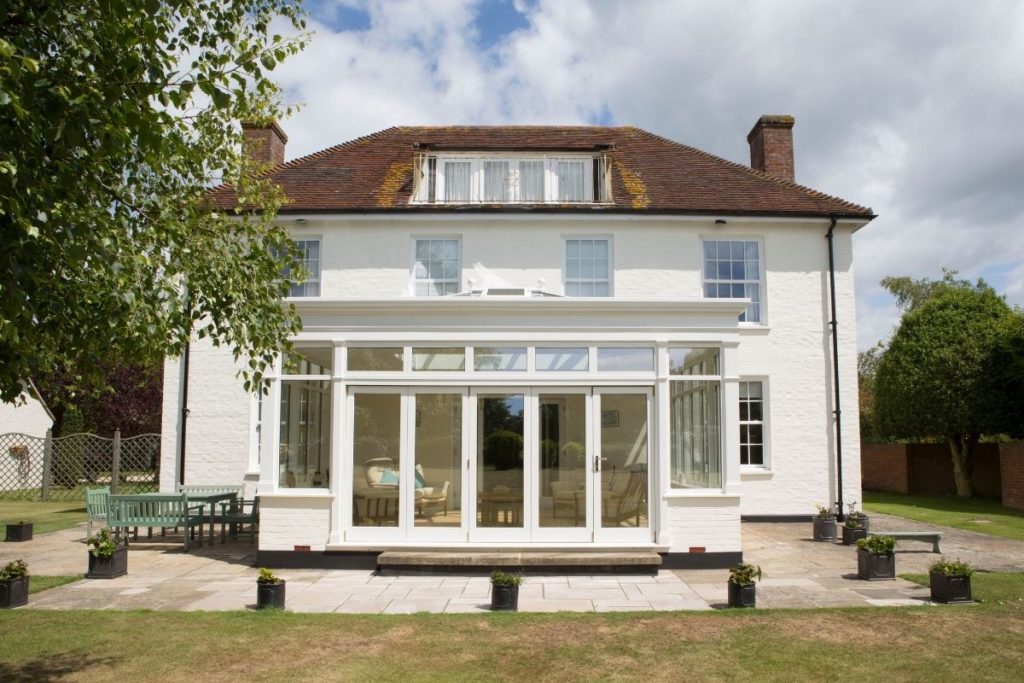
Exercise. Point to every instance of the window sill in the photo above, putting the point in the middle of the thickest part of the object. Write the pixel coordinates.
(755, 328)
(698, 493)
(753, 472)
(298, 493)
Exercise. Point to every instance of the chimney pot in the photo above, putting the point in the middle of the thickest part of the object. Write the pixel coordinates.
(265, 142)
(771, 145)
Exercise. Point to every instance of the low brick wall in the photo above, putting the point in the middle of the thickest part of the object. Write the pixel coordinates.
(1011, 460)
(926, 468)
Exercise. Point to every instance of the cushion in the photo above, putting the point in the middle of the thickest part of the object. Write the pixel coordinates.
(420, 481)
(389, 477)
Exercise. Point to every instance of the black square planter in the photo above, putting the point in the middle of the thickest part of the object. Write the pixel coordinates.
(875, 566)
(17, 533)
(950, 589)
(825, 529)
(108, 567)
(504, 598)
(742, 596)
(850, 536)
(13, 592)
(270, 595)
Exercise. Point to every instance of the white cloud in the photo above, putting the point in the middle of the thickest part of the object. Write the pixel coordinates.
(913, 108)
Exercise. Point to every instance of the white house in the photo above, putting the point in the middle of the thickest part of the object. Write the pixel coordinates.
(541, 337)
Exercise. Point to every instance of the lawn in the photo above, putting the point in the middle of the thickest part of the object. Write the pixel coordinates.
(974, 514)
(46, 516)
(981, 643)
(38, 584)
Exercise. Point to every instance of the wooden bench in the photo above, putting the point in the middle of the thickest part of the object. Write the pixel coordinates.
(932, 537)
(95, 507)
(160, 511)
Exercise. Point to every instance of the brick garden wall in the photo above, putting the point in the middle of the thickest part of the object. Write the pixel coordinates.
(927, 469)
(1011, 459)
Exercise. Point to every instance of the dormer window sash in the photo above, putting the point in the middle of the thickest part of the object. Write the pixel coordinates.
(507, 179)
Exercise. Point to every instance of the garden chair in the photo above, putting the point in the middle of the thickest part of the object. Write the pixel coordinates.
(97, 507)
(234, 513)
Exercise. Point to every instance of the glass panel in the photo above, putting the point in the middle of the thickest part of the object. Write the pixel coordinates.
(376, 459)
(531, 181)
(499, 359)
(447, 359)
(563, 360)
(308, 360)
(500, 471)
(695, 426)
(310, 286)
(697, 361)
(624, 457)
(438, 476)
(305, 454)
(497, 181)
(375, 359)
(570, 181)
(611, 359)
(456, 181)
(563, 462)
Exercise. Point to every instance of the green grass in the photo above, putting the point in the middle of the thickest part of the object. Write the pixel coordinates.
(38, 584)
(979, 643)
(45, 516)
(975, 514)
(988, 588)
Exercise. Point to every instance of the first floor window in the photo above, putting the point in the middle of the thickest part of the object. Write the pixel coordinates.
(310, 250)
(752, 423)
(732, 270)
(436, 270)
(587, 267)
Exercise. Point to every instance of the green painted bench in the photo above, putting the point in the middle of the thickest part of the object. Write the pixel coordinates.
(156, 511)
(96, 502)
(234, 513)
(932, 537)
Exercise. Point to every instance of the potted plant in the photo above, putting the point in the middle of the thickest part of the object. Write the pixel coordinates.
(505, 591)
(950, 582)
(108, 556)
(876, 559)
(855, 526)
(743, 586)
(269, 590)
(859, 515)
(825, 524)
(20, 531)
(13, 584)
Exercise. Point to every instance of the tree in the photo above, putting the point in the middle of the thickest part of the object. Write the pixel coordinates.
(116, 117)
(867, 373)
(939, 376)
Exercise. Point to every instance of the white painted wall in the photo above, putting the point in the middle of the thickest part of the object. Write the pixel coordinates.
(370, 257)
(28, 417)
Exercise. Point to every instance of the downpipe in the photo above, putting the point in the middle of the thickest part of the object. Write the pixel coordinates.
(837, 412)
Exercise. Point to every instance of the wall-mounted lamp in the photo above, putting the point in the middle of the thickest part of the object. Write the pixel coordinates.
(719, 221)
(300, 221)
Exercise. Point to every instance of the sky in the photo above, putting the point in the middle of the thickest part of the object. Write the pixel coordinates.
(914, 108)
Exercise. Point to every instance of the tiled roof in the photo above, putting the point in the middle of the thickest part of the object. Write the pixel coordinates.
(650, 174)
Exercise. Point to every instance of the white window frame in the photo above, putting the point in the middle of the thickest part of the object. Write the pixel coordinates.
(566, 280)
(765, 421)
(314, 278)
(761, 281)
(550, 161)
(256, 429)
(413, 280)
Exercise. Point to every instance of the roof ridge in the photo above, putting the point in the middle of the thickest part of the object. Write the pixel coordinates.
(790, 184)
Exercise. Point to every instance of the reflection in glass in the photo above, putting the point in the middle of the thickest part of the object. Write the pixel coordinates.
(376, 459)
(563, 359)
(500, 472)
(500, 359)
(695, 426)
(563, 461)
(433, 359)
(371, 359)
(624, 457)
(305, 455)
(695, 361)
(438, 487)
(308, 360)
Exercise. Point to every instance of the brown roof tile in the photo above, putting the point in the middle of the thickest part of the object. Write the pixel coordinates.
(650, 174)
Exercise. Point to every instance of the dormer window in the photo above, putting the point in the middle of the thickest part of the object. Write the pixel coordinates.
(493, 178)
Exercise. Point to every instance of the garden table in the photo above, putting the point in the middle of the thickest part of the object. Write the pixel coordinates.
(204, 499)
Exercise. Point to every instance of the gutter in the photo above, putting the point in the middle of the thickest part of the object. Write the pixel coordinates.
(837, 412)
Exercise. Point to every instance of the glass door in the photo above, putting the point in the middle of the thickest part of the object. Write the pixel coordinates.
(377, 434)
(498, 466)
(436, 495)
(562, 466)
(622, 443)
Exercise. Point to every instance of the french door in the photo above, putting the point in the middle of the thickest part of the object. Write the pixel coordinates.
(509, 464)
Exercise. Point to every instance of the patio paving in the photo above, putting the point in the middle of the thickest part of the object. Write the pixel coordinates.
(797, 573)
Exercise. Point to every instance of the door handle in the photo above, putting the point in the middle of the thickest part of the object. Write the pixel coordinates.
(597, 463)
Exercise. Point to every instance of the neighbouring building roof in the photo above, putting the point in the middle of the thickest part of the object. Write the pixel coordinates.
(650, 174)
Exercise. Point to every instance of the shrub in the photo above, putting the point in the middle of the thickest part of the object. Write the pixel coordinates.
(500, 578)
(267, 576)
(826, 512)
(744, 574)
(877, 545)
(503, 450)
(948, 568)
(15, 569)
(103, 544)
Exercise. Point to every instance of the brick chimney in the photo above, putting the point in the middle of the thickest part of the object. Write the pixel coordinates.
(265, 143)
(771, 145)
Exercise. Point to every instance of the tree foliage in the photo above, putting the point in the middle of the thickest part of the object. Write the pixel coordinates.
(116, 116)
(940, 375)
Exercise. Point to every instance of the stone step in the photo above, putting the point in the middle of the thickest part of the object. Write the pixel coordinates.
(583, 562)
